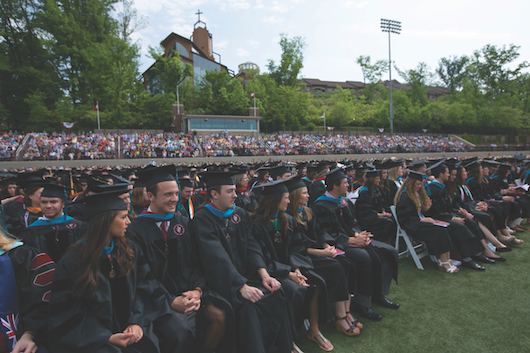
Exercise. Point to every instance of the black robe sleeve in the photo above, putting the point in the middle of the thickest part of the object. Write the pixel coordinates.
(33, 274)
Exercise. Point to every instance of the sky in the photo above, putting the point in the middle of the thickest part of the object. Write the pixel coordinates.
(337, 32)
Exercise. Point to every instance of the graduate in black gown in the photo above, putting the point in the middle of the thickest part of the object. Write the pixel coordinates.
(235, 268)
(25, 276)
(54, 232)
(500, 206)
(166, 241)
(286, 257)
(411, 202)
(104, 297)
(244, 199)
(26, 209)
(186, 206)
(480, 210)
(370, 210)
(318, 186)
(329, 262)
(465, 233)
(375, 262)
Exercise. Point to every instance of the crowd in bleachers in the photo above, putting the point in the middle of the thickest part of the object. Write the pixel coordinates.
(89, 145)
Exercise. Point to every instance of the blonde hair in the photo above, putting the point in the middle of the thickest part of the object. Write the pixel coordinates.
(392, 173)
(322, 172)
(6, 242)
(422, 203)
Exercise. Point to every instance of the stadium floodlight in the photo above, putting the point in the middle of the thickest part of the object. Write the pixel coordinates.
(390, 26)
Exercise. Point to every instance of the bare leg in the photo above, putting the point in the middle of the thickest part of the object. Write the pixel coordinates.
(314, 331)
(216, 327)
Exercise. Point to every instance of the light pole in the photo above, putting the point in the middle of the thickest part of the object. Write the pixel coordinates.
(390, 26)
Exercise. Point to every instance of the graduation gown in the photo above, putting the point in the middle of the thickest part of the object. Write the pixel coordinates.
(85, 324)
(175, 264)
(335, 271)
(246, 201)
(463, 198)
(284, 251)
(18, 216)
(465, 241)
(317, 189)
(53, 237)
(375, 264)
(231, 257)
(522, 201)
(437, 238)
(26, 276)
(368, 205)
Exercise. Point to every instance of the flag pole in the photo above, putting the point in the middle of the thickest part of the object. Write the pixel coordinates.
(254, 93)
(97, 107)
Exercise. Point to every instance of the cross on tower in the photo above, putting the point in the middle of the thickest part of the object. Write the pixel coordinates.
(199, 13)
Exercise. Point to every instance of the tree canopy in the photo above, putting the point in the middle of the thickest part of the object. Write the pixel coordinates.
(59, 57)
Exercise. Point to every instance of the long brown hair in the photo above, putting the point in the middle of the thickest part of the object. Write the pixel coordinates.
(295, 204)
(422, 203)
(268, 207)
(137, 196)
(97, 236)
(475, 173)
(370, 183)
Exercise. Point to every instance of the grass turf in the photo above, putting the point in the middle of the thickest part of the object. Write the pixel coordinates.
(470, 311)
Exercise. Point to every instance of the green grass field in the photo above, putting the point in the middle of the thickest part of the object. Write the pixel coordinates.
(469, 311)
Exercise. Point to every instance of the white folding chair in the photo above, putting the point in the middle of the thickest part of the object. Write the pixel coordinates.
(411, 250)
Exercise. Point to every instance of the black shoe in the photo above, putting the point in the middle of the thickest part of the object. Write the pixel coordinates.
(497, 259)
(365, 312)
(484, 259)
(506, 249)
(473, 265)
(383, 301)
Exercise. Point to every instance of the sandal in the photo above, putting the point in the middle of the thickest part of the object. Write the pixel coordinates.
(506, 240)
(351, 331)
(355, 322)
(313, 337)
(296, 349)
(452, 268)
(517, 241)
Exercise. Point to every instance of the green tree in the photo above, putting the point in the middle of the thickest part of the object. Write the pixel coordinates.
(418, 79)
(452, 72)
(372, 72)
(491, 65)
(292, 61)
(25, 65)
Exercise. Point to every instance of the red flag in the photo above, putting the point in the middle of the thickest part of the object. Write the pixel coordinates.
(252, 95)
(330, 128)
(95, 108)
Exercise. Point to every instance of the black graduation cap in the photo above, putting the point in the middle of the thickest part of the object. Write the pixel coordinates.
(504, 166)
(372, 173)
(8, 179)
(301, 165)
(217, 178)
(263, 170)
(322, 166)
(294, 183)
(349, 167)
(103, 202)
(311, 168)
(472, 165)
(30, 180)
(185, 183)
(278, 171)
(490, 163)
(273, 188)
(417, 164)
(392, 164)
(54, 190)
(437, 167)
(182, 172)
(416, 175)
(334, 175)
(240, 169)
(153, 176)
